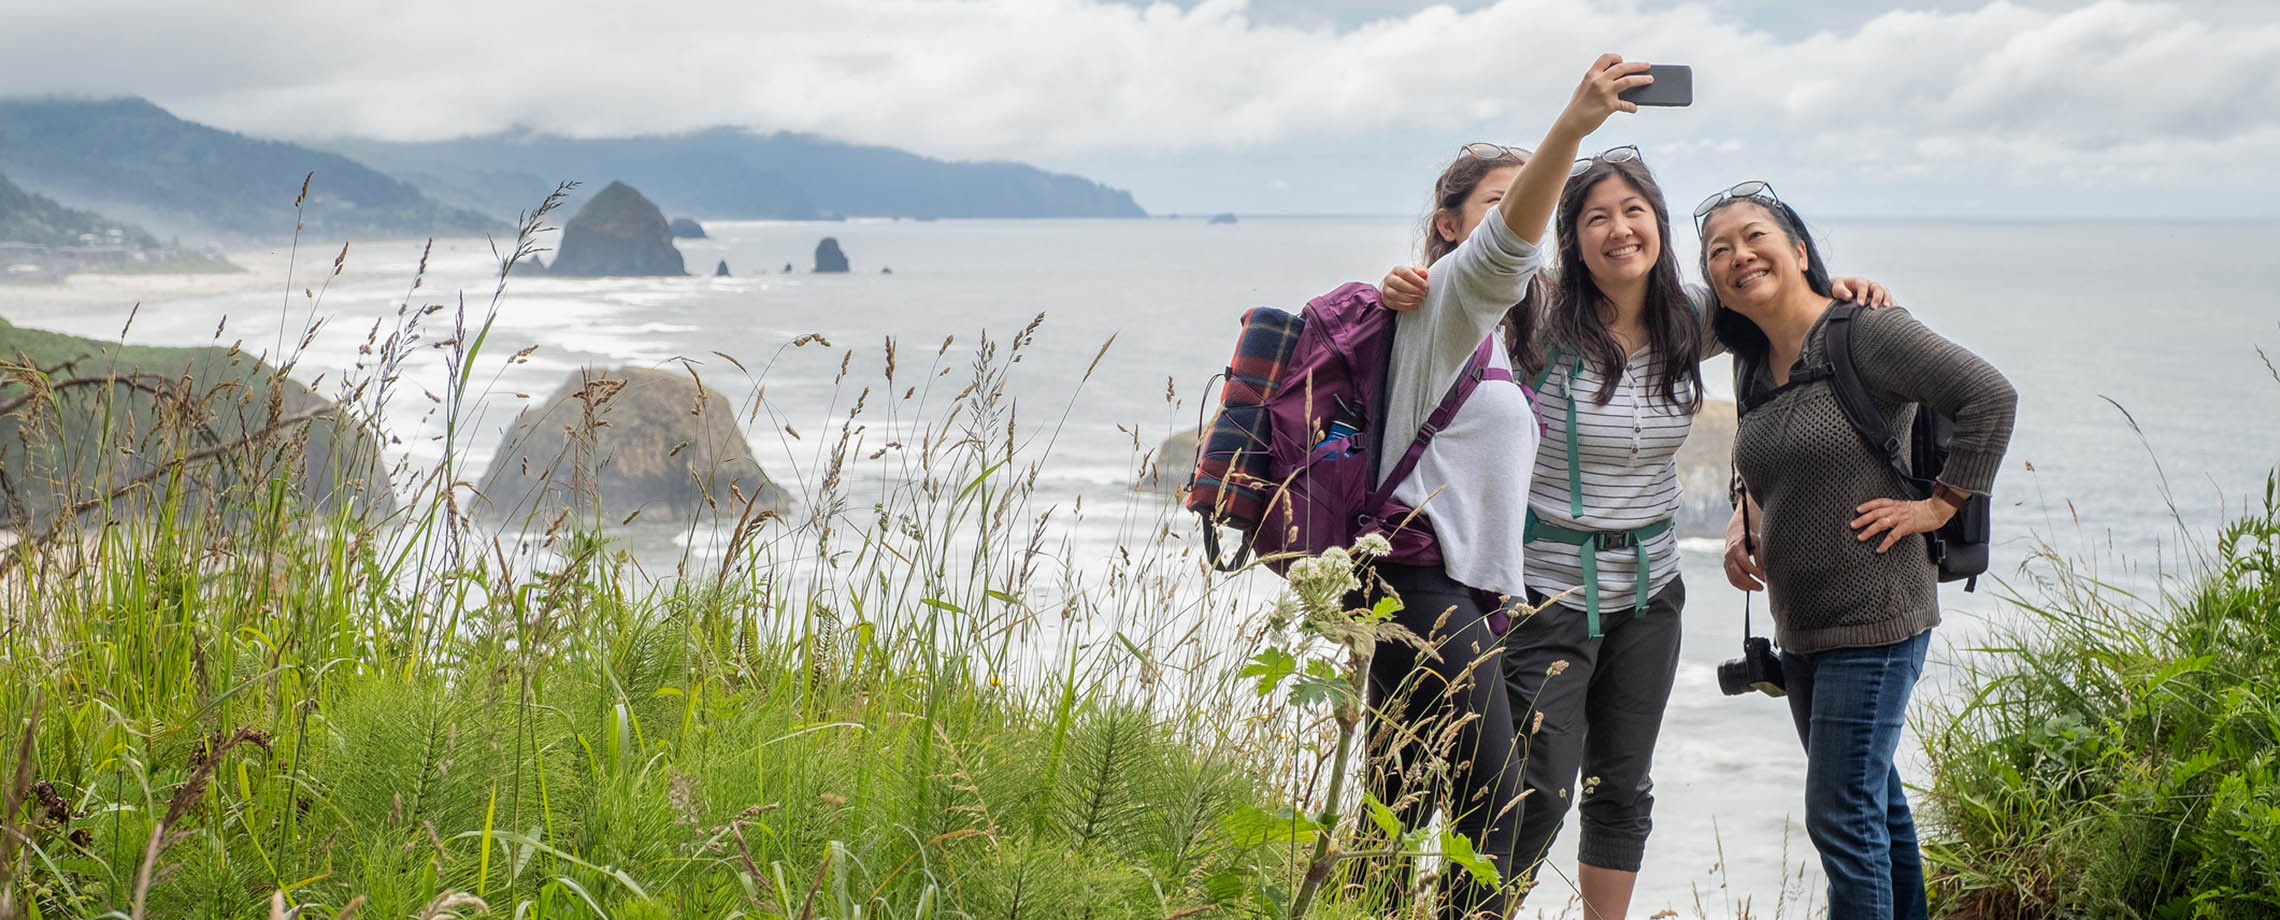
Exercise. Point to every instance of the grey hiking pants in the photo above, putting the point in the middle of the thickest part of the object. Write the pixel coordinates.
(1601, 714)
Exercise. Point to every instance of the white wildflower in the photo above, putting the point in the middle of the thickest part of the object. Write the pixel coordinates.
(1373, 545)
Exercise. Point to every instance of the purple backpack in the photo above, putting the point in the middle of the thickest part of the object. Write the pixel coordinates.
(1293, 468)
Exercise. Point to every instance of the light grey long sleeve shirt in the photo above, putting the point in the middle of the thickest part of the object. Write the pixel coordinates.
(1472, 482)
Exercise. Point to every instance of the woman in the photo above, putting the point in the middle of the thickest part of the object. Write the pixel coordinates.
(1617, 371)
(1853, 588)
(1491, 206)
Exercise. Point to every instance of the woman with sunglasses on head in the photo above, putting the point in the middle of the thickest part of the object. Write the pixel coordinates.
(1853, 588)
(1615, 361)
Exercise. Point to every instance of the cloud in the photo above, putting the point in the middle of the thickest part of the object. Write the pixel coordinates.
(2113, 91)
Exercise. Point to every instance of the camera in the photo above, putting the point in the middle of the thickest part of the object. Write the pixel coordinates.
(1758, 669)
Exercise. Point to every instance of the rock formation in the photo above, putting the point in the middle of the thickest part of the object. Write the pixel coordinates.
(1227, 217)
(1168, 470)
(686, 228)
(1704, 469)
(617, 232)
(828, 258)
(625, 441)
(721, 270)
(787, 268)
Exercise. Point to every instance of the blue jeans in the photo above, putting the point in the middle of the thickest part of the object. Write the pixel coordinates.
(1850, 704)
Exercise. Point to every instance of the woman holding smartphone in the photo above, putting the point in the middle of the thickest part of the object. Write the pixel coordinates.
(1490, 208)
(1854, 591)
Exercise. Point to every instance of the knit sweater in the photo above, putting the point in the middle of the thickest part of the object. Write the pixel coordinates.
(1809, 471)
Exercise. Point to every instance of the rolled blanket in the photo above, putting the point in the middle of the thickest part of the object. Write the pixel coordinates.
(1230, 482)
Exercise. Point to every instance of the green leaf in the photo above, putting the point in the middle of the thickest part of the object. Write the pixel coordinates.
(1382, 816)
(1251, 827)
(942, 605)
(1270, 667)
(1386, 607)
(1312, 690)
(1457, 848)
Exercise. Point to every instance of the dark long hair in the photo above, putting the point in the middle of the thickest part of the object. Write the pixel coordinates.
(1456, 185)
(1673, 328)
(1739, 333)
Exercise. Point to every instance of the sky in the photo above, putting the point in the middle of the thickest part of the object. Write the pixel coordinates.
(1934, 108)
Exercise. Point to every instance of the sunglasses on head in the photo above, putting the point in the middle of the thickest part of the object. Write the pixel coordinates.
(1623, 154)
(1754, 190)
(1487, 151)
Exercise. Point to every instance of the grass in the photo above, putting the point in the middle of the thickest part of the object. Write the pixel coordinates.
(902, 697)
(2118, 755)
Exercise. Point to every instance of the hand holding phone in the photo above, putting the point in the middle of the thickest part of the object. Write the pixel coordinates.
(1673, 86)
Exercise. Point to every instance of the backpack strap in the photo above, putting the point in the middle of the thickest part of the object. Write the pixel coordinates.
(1553, 360)
(1852, 396)
(1475, 371)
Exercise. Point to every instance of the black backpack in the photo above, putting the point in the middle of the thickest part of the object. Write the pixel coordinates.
(1958, 548)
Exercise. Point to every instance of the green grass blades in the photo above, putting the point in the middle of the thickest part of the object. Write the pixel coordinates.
(2117, 757)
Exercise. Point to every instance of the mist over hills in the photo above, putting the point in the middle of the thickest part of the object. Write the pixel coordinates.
(29, 218)
(732, 173)
(134, 161)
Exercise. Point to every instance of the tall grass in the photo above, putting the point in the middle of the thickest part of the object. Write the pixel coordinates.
(903, 696)
(2118, 755)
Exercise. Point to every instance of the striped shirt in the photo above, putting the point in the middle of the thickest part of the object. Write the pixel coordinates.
(1625, 452)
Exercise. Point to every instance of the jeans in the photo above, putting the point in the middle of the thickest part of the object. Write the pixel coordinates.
(1849, 705)
(1600, 717)
(1455, 699)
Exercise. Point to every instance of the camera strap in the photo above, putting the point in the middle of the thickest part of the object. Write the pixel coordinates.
(1749, 545)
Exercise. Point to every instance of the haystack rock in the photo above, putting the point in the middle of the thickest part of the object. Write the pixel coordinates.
(618, 232)
(721, 270)
(686, 228)
(828, 258)
(628, 440)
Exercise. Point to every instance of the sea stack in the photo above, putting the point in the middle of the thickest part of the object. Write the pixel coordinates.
(828, 258)
(721, 270)
(617, 233)
(627, 440)
(686, 228)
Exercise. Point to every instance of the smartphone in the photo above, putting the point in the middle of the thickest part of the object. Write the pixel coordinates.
(1674, 85)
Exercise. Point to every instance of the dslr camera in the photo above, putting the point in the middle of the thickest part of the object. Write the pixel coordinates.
(1758, 669)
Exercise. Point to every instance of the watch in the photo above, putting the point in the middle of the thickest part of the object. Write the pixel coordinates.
(1950, 495)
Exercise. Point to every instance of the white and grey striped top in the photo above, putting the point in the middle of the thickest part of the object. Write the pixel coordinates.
(1625, 451)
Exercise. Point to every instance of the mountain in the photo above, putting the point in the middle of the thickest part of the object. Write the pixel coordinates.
(732, 173)
(29, 218)
(131, 159)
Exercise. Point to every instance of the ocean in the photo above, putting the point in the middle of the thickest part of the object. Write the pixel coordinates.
(2146, 411)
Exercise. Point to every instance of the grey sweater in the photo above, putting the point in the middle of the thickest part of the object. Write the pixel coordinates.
(1809, 470)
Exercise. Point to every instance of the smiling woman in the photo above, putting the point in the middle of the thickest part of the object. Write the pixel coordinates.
(1854, 593)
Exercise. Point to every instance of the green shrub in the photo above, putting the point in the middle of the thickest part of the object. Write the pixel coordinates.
(2116, 758)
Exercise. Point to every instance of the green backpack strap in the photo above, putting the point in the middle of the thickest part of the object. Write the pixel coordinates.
(1574, 463)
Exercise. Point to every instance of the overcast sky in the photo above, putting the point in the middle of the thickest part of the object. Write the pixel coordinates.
(1933, 108)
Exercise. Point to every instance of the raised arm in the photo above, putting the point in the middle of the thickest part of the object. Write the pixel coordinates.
(1536, 193)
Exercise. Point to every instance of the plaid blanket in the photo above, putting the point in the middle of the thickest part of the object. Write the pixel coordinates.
(1231, 482)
